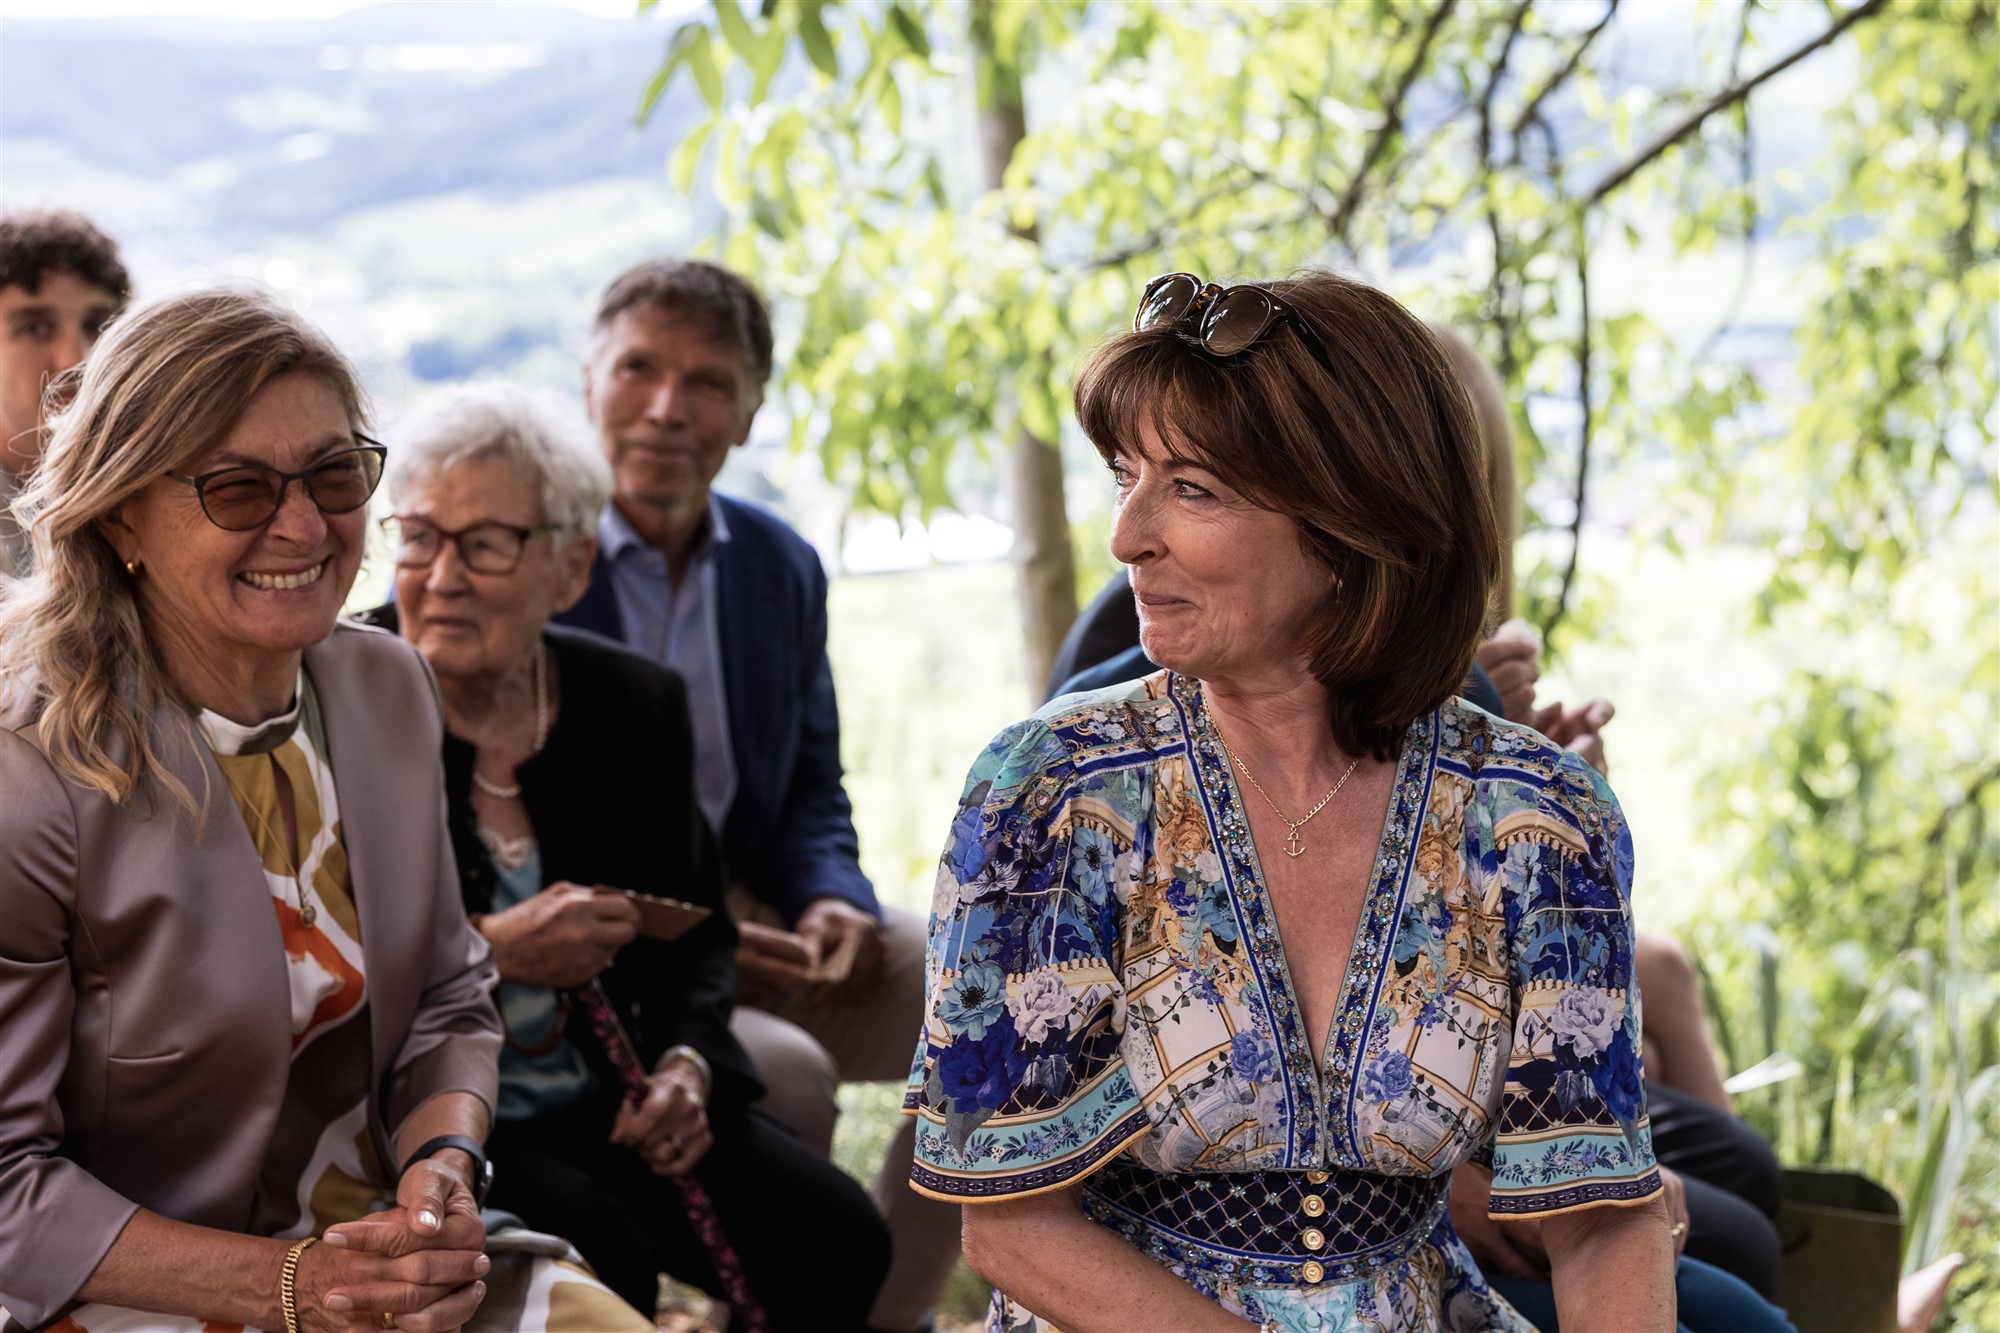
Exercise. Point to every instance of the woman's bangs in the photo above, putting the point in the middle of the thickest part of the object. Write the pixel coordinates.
(1153, 384)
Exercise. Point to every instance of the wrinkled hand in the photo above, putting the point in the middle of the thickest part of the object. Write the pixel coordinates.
(1514, 660)
(1677, 1207)
(828, 923)
(670, 1128)
(420, 1261)
(562, 937)
(1511, 1248)
(771, 963)
(1577, 729)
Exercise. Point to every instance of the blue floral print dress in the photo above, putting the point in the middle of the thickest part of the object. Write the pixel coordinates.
(1109, 1004)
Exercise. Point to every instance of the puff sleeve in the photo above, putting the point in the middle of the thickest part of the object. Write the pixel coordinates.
(1572, 1129)
(1018, 1084)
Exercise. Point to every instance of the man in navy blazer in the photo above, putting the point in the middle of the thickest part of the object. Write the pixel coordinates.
(726, 594)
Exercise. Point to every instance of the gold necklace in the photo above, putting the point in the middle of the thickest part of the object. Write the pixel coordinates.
(1293, 847)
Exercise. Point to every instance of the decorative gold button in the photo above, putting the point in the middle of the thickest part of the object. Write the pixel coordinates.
(1314, 1238)
(1313, 1205)
(1312, 1271)
(1317, 1177)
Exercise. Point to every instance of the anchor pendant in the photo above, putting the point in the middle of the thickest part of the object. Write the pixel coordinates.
(1293, 847)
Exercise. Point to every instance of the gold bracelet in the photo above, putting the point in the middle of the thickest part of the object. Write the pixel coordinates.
(288, 1282)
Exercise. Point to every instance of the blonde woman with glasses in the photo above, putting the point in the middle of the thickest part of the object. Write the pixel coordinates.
(250, 1040)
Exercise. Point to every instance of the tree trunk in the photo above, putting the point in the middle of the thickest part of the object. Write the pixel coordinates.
(1044, 561)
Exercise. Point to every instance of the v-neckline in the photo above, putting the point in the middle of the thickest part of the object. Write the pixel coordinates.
(1319, 1074)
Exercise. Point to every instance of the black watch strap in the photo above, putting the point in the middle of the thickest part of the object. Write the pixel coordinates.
(482, 1170)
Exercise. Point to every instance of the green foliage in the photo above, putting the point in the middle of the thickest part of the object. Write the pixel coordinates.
(1485, 162)
(1221, 138)
(1868, 804)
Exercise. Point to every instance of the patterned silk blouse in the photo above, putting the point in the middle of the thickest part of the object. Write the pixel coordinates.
(1109, 1003)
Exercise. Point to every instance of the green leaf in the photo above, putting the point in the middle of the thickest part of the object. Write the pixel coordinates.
(687, 157)
(911, 29)
(654, 87)
(736, 30)
(817, 42)
(701, 63)
(1039, 415)
(890, 101)
(678, 47)
(762, 52)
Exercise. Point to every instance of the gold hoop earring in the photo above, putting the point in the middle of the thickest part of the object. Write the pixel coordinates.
(132, 568)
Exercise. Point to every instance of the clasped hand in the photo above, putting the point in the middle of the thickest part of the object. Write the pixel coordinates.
(773, 963)
(420, 1261)
(563, 937)
(669, 1129)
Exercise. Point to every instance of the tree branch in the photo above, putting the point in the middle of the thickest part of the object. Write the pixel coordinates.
(1312, 197)
(1746, 159)
(1934, 851)
(1496, 299)
(1561, 607)
(1514, 26)
(1392, 121)
(1532, 111)
(1727, 97)
(1153, 238)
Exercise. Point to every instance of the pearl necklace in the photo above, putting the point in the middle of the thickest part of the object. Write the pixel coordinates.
(512, 792)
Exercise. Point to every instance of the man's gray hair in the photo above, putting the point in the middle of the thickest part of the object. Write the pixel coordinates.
(536, 431)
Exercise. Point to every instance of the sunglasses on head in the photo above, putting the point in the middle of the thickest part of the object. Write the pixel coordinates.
(1228, 321)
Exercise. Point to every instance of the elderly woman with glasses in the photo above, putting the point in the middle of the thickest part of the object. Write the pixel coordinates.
(624, 1115)
(1231, 965)
(249, 1038)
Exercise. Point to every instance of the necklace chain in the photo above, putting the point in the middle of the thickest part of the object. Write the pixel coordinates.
(512, 791)
(1293, 845)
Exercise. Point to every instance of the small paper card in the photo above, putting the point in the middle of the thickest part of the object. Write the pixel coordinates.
(661, 918)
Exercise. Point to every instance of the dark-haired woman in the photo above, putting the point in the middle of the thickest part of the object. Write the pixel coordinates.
(1230, 966)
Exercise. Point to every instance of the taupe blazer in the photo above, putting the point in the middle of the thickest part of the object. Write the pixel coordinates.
(145, 1029)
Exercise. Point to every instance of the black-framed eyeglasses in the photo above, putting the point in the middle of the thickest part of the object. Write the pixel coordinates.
(1228, 321)
(249, 495)
(491, 547)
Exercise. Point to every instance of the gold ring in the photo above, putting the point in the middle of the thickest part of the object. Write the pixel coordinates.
(388, 1319)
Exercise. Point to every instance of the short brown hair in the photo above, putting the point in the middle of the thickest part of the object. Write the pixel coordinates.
(1378, 461)
(34, 245)
(727, 307)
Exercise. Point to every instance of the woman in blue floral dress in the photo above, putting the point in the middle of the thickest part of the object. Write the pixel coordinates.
(1231, 966)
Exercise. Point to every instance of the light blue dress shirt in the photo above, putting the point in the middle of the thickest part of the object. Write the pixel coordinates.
(676, 627)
